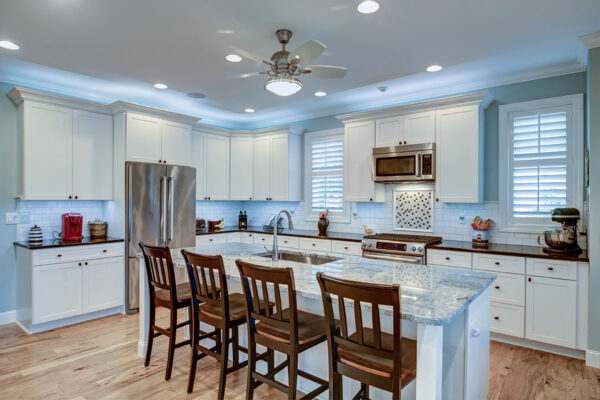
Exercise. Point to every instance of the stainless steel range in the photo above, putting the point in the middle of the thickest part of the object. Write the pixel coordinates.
(397, 247)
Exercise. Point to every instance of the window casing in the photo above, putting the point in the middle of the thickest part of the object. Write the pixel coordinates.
(541, 161)
(324, 175)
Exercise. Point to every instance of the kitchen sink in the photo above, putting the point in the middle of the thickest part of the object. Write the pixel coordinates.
(313, 259)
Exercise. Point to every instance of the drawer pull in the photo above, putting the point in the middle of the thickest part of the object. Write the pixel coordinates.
(59, 255)
(497, 263)
(529, 279)
(285, 241)
(104, 251)
(314, 244)
(250, 235)
(447, 258)
(345, 247)
(550, 269)
(496, 318)
(497, 287)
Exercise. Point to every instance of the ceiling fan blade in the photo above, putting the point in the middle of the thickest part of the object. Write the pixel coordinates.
(247, 54)
(325, 71)
(247, 75)
(307, 52)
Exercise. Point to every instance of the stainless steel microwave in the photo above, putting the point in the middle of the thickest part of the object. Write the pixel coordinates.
(408, 163)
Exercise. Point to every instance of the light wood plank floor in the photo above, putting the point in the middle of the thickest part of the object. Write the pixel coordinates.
(98, 360)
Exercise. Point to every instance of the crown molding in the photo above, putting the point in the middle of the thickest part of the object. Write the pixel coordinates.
(591, 40)
(19, 94)
(289, 129)
(123, 106)
(484, 99)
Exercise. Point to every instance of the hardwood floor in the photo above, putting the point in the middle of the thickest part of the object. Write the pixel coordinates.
(98, 360)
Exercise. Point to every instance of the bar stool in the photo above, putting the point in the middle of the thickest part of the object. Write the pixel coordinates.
(213, 305)
(375, 358)
(289, 331)
(164, 292)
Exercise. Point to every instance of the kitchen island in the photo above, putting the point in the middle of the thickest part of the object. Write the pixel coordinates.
(445, 310)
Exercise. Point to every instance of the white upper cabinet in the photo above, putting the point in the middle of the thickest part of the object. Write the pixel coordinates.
(93, 156)
(459, 137)
(217, 167)
(199, 162)
(389, 132)
(153, 140)
(240, 174)
(65, 153)
(359, 141)
(261, 175)
(277, 167)
(419, 127)
(48, 152)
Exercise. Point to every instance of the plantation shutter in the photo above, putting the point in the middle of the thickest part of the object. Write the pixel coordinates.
(327, 169)
(539, 163)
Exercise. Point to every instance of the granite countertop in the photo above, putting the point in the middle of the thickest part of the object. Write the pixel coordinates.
(51, 243)
(430, 295)
(354, 237)
(508, 250)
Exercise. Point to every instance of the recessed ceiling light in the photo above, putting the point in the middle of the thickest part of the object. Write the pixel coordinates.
(233, 58)
(8, 45)
(434, 68)
(249, 110)
(320, 93)
(196, 95)
(159, 85)
(368, 7)
(225, 31)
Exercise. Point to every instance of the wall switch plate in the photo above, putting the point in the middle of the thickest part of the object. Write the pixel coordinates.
(462, 219)
(14, 218)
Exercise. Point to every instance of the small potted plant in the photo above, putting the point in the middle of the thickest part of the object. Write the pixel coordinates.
(323, 223)
(480, 231)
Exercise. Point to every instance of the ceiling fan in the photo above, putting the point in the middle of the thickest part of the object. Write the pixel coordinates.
(285, 66)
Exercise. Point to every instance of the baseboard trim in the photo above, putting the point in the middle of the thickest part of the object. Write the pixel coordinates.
(8, 317)
(549, 348)
(592, 358)
(31, 329)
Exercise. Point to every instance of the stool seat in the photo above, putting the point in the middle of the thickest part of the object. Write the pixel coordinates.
(379, 365)
(183, 293)
(311, 327)
(237, 308)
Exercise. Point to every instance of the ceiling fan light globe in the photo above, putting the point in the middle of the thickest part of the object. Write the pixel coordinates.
(283, 86)
(368, 7)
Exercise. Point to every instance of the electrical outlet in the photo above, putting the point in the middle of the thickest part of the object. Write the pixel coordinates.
(462, 219)
(14, 218)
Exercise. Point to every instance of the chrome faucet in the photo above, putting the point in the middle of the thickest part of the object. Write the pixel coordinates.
(275, 225)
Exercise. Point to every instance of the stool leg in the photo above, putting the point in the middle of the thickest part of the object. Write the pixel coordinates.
(224, 360)
(365, 391)
(292, 375)
(194, 356)
(236, 345)
(150, 341)
(251, 366)
(172, 337)
(336, 390)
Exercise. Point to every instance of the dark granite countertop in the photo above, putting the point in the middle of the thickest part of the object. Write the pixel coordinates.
(508, 250)
(352, 237)
(51, 243)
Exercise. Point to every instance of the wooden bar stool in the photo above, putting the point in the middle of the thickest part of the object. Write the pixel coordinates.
(164, 292)
(289, 331)
(213, 305)
(375, 358)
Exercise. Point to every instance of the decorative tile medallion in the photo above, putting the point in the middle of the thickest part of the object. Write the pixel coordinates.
(413, 210)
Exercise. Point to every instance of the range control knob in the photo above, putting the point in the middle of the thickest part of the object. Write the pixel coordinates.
(413, 248)
(420, 249)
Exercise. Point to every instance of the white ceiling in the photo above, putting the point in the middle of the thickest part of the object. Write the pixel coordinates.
(108, 50)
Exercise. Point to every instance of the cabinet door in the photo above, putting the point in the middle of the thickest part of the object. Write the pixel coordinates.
(217, 167)
(103, 284)
(358, 178)
(551, 311)
(93, 156)
(459, 147)
(199, 162)
(389, 132)
(48, 147)
(176, 143)
(144, 138)
(419, 127)
(240, 184)
(56, 291)
(261, 173)
(279, 168)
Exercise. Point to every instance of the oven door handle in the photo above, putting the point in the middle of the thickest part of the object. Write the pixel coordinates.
(407, 260)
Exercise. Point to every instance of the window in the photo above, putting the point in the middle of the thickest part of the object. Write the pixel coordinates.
(541, 161)
(324, 153)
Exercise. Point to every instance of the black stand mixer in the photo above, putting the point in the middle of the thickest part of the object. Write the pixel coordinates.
(562, 240)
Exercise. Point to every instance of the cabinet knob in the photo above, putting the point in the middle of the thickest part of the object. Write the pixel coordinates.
(59, 255)
(86, 263)
(529, 279)
(496, 317)
(76, 197)
(250, 198)
(104, 251)
(164, 161)
(437, 200)
(550, 269)
(159, 161)
(447, 258)
(400, 142)
(497, 287)
(70, 197)
(314, 244)
(405, 142)
(250, 235)
(210, 240)
(345, 247)
(79, 264)
(370, 199)
(497, 263)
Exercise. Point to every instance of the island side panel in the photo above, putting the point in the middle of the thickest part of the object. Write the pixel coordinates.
(430, 350)
(477, 371)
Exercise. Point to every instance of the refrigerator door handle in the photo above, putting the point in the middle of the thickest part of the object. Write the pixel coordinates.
(162, 210)
(170, 205)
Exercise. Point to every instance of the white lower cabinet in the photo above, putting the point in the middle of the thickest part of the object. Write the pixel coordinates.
(207, 240)
(315, 245)
(551, 311)
(247, 237)
(344, 247)
(288, 242)
(102, 284)
(507, 319)
(57, 291)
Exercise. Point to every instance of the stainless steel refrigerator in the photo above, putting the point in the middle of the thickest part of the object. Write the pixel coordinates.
(160, 209)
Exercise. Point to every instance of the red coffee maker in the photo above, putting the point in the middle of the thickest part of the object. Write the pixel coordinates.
(72, 226)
